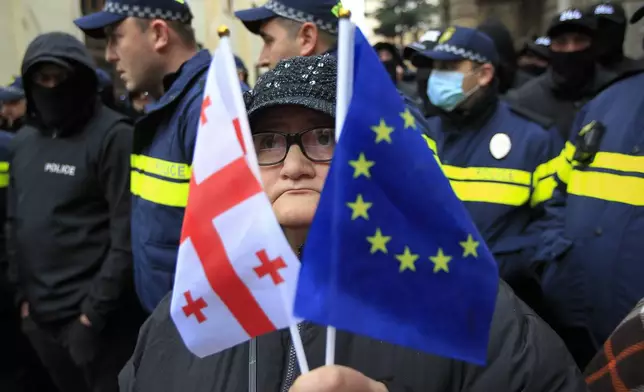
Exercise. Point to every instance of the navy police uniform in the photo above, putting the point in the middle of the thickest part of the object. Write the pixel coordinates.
(497, 159)
(162, 153)
(594, 272)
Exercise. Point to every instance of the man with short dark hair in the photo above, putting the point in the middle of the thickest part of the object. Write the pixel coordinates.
(152, 45)
(292, 28)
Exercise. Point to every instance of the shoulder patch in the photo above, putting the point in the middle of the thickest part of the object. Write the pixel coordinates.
(544, 121)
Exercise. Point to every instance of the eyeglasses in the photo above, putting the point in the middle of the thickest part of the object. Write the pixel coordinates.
(316, 144)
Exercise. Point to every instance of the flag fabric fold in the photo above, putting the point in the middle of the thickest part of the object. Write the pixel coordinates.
(392, 253)
(236, 273)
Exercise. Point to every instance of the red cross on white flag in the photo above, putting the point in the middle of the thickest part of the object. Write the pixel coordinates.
(236, 274)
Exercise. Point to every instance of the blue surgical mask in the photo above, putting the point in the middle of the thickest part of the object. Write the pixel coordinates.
(445, 89)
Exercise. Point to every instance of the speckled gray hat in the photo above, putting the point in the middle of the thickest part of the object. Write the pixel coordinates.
(303, 81)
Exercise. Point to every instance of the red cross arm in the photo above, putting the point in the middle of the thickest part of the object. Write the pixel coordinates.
(220, 192)
(205, 105)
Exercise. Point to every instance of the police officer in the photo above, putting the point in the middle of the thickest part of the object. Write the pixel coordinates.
(13, 105)
(153, 47)
(291, 28)
(611, 31)
(495, 156)
(424, 68)
(69, 220)
(573, 77)
(594, 268)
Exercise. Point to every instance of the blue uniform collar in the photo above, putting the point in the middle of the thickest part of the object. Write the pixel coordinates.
(177, 83)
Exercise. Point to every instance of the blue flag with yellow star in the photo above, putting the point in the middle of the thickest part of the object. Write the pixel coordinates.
(392, 253)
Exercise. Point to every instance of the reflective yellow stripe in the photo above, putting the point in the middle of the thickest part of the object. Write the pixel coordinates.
(543, 191)
(543, 182)
(512, 176)
(491, 192)
(605, 186)
(619, 162)
(431, 144)
(159, 191)
(474, 184)
(4, 174)
(564, 164)
(159, 167)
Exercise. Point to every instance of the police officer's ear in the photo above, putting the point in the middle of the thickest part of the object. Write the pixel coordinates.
(307, 39)
(159, 33)
(485, 74)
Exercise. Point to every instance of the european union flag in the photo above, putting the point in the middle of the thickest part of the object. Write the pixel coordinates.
(392, 253)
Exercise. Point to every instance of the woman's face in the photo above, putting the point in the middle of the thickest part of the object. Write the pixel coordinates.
(294, 186)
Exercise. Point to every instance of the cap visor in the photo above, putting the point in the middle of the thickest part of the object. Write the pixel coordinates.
(94, 24)
(253, 17)
(441, 56)
(8, 95)
(639, 14)
(412, 49)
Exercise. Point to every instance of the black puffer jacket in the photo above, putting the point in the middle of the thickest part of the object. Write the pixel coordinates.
(525, 355)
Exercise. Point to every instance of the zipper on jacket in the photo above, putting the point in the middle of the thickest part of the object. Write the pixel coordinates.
(292, 368)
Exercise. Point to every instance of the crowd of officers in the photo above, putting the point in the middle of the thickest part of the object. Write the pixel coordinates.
(543, 145)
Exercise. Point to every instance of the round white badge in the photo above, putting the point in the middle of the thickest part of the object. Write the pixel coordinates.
(500, 145)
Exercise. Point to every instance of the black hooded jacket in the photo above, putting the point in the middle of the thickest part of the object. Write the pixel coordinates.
(542, 96)
(69, 199)
(524, 355)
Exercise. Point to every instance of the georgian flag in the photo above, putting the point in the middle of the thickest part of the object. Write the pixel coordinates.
(236, 273)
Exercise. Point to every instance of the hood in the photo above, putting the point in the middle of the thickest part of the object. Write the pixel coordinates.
(504, 44)
(67, 51)
(61, 48)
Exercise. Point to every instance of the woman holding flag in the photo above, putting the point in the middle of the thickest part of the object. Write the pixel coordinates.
(197, 339)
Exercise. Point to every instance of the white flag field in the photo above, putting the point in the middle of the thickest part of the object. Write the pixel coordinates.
(236, 274)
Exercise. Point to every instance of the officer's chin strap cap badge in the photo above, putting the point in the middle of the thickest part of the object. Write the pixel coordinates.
(500, 145)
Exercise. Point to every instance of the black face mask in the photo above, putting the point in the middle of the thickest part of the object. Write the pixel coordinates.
(533, 69)
(572, 70)
(64, 106)
(390, 66)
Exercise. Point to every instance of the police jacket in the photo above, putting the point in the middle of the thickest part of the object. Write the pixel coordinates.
(69, 203)
(524, 355)
(595, 269)
(541, 95)
(496, 159)
(164, 142)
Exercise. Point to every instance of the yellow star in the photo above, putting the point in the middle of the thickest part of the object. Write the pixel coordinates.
(362, 166)
(410, 121)
(469, 247)
(440, 261)
(360, 208)
(383, 131)
(378, 242)
(407, 260)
